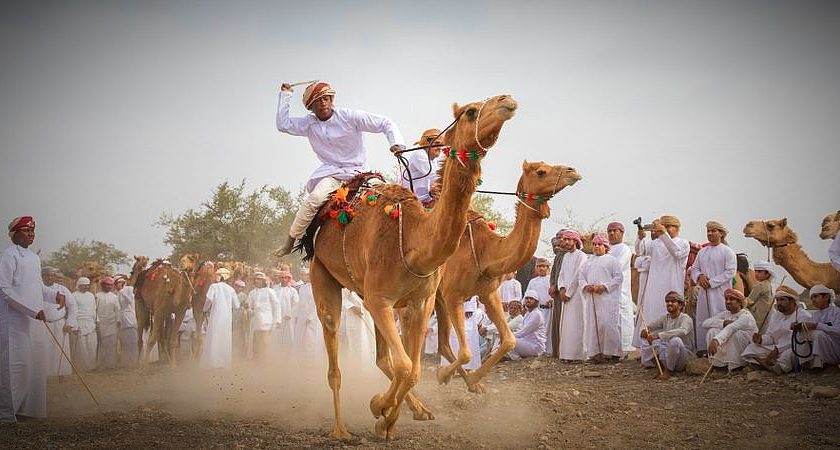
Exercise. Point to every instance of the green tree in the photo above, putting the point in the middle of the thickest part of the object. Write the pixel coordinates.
(73, 254)
(233, 224)
(483, 203)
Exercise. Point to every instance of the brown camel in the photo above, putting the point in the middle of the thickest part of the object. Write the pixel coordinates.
(830, 226)
(391, 252)
(200, 276)
(789, 254)
(160, 291)
(140, 263)
(483, 258)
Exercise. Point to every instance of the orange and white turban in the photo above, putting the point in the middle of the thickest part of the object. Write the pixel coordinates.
(315, 91)
(21, 222)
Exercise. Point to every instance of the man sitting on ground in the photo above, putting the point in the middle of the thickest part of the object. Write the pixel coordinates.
(765, 348)
(823, 330)
(671, 336)
(729, 332)
(530, 339)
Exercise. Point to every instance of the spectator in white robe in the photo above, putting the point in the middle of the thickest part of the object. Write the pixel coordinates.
(668, 255)
(823, 328)
(84, 342)
(357, 337)
(729, 332)
(431, 343)
(107, 324)
(241, 327)
(61, 319)
(834, 252)
(127, 323)
(309, 336)
(712, 271)
(541, 284)
(186, 336)
(283, 336)
(671, 336)
(23, 354)
(264, 312)
(472, 317)
(600, 280)
(765, 348)
(760, 301)
(335, 135)
(624, 254)
(423, 167)
(510, 290)
(572, 313)
(531, 337)
(217, 350)
(514, 321)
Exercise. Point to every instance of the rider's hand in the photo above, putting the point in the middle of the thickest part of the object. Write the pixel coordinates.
(286, 87)
(397, 148)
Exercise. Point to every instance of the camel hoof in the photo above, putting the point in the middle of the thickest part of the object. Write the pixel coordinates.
(376, 407)
(424, 415)
(444, 375)
(385, 431)
(339, 432)
(476, 388)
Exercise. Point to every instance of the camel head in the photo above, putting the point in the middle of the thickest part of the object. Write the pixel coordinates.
(544, 179)
(479, 120)
(189, 261)
(586, 239)
(771, 233)
(139, 264)
(91, 269)
(830, 226)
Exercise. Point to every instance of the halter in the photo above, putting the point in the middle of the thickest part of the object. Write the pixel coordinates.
(522, 197)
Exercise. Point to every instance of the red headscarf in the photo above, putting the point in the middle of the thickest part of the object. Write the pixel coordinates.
(21, 222)
(315, 91)
(570, 234)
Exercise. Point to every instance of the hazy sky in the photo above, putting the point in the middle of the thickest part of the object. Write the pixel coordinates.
(114, 112)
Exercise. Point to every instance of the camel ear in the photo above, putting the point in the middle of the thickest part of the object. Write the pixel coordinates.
(525, 165)
(783, 222)
(456, 110)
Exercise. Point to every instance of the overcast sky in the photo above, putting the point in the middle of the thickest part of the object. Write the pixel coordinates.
(112, 113)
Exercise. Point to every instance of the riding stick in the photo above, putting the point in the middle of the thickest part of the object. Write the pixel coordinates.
(653, 349)
(73, 366)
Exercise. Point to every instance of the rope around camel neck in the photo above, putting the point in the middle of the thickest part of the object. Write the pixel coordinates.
(402, 252)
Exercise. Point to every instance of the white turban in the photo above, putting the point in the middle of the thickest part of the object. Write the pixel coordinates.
(764, 265)
(531, 293)
(82, 281)
(821, 289)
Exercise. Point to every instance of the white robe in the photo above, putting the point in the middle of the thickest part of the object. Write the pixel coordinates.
(510, 290)
(84, 352)
(825, 341)
(218, 342)
(423, 174)
(666, 273)
(283, 337)
(265, 313)
(309, 336)
(572, 313)
(531, 337)
(356, 334)
(834, 252)
(777, 334)
(431, 346)
(718, 263)
(107, 314)
(57, 318)
(540, 285)
(23, 351)
(602, 309)
(624, 255)
(733, 338)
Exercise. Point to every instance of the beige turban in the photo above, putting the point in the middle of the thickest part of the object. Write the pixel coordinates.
(736, 294)
(676, 295)
(669, 220)
(714, 225)
(428, 136)
(315, 91)
(784, 291)
(223, 273)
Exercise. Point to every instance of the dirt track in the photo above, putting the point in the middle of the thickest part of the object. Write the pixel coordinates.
(533, 403)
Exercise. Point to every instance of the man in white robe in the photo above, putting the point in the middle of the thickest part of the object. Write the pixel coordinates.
(264, 311)
(541, 284)
(84, 342)
(823, 329)
(671, 336)
(729, 332)
(431, 343)
(357, 338)
(600, 280)
(23, 355)
(283, 335)
(531, 338)
(186, 336)
(766, 348)
(129, 357)
(834, 252)
(668, 255)
(624, 254)
(510, 290)
(61, 319)
(241, 327)
(572, 313)
(472, 317)
(335, 135)
(309, 336)
(423, 167)
(107, 324)
(760, 300)
(712, 271)
(514, 319)
(217, 351)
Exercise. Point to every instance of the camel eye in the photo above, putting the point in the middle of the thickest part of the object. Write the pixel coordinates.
(471, 113)
(770, 226)
(540, 172)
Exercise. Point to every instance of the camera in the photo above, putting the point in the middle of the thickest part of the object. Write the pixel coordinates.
(638, 222)
(646, 227)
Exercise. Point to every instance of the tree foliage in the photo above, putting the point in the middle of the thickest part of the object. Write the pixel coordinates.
(233, 225)
(73, 254)
(483, 203)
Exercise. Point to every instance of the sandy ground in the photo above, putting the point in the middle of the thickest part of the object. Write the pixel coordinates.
(537, 403)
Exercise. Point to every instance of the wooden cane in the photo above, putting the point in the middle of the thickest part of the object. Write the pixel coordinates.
(707, 370)
(72, 365)
(597, 330)
(300, 83)
(653, 349)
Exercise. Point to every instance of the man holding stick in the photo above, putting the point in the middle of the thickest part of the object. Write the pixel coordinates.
(602, 278)
(670, 336)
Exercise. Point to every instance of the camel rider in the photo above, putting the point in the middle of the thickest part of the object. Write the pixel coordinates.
(335, 135)
(423, 167)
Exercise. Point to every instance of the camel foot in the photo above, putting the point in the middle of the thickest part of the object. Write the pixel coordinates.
(444, 374)
(423, 414)
(377, 406)
(340, 432)
(473, 384)
(384, 430)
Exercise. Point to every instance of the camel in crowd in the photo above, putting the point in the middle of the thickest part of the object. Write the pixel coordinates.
(483, 258)
(789, 254)
(392, 225)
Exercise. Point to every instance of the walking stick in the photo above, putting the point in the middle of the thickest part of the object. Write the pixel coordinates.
(73, 366)
(655, 355)
(597, 330)
(300, 83)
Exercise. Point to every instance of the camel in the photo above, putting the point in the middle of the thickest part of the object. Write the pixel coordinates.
(200, 276)
(160, 291)
(830, 226)
(483, 258)
(391, 252)
(789, 254)
(93, 271)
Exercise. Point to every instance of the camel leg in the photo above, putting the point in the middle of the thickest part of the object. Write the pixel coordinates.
(198, 316)
(327, 293)
(414, 334)
(455, 311)
(444, 326)
(383, 361)
(493, 306)
(173, 333)
(156, 334)
(142, 314)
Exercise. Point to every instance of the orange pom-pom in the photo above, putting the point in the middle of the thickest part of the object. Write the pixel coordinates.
(388, 209)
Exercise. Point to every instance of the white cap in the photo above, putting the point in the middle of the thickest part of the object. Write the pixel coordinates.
(821, 289)
(82, 281)
(531, 293)
(765, 266)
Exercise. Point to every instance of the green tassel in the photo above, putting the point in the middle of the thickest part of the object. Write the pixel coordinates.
(343, 217)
